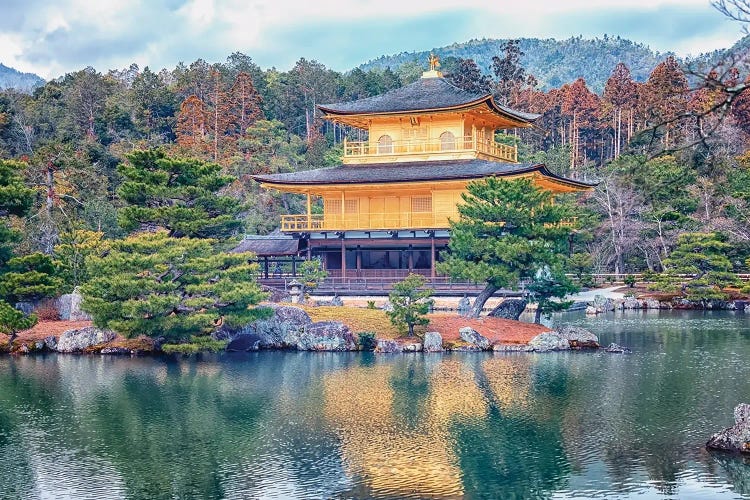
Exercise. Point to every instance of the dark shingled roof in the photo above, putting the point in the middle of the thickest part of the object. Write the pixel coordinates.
(412, 171)
(424, 94)
(268, 246)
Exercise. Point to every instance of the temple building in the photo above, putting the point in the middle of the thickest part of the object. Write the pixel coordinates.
(386, 209)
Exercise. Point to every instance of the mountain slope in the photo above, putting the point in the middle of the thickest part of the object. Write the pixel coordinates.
(552, 62)
(11, 78)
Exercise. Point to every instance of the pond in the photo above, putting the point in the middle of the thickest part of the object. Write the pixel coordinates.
(358, 425)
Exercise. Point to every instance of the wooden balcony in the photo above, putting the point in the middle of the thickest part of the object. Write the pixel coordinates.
(366, 221)
(432, 149)
(376, 221)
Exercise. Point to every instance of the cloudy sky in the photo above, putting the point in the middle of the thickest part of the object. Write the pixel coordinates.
(51, 37)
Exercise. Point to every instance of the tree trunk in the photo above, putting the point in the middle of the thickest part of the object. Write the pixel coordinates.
(484, 295)
(411, 329)
(538, 314)
(13, 336)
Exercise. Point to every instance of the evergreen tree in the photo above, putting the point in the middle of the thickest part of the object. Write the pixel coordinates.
(507, 230)
(411, 302)
(12, 321)
(29, 278)
(702, 256)
(156, 285)
(177, 194)
(548, 287)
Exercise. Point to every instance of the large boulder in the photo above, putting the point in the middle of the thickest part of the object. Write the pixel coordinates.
(603, 304)
(468, 334)
(509, 309)
(737, 437)
(388, 346)
(326, 336)
(578, 337)
(282, 329)
(244, 342)
(433, 342)
(549, 341)
(651, 304)
(78, 339)
(632, 303)
(69, 307)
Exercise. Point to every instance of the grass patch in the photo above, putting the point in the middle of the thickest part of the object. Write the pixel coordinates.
(196, 345)
(360, 320)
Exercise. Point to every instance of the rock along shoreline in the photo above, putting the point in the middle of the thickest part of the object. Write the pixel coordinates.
(291, 328)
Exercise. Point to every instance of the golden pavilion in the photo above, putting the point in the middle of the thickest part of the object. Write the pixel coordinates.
(386, 209)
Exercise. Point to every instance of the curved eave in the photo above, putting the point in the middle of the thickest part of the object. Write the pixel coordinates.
(488, 100)
(309, 186)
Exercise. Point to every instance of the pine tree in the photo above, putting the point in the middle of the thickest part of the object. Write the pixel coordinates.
(156, 285)
(177, 194)
(244, 104)
(411, 302)
(507, 231)
(192, 128)
(620, 92)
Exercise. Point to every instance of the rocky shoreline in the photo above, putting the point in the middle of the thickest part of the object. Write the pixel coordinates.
(602, 305)
(291, 328)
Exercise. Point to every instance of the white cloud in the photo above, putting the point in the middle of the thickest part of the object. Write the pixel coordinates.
(50, 38)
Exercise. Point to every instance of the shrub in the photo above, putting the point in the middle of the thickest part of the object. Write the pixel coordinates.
(629, 280)
(411, 302)
(366, 341)
(371, 304)
(202, 343)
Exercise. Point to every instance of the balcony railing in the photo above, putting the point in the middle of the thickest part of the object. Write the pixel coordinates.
(376, 221)
(366, 149)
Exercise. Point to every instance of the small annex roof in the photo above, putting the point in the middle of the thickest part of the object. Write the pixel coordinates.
(426, 94)
(272, 245)
(378, 173)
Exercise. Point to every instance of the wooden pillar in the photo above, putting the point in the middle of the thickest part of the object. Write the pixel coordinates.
(432, 255)
(359, 260)
(265, 267)
(309, 212)
(410, 257)
(294, 266)
(343, 257)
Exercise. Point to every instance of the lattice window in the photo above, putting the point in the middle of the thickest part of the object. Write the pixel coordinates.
(351, 206)
(333, 206)
(421, 204)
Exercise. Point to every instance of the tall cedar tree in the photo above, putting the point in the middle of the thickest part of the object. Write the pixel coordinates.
(507, 231)
(469, 77)
(620, 93)
(155, 285)
(177, 194)
(665, 97)
(244, 104)
(508, 71)
(191, 126)
(581, 106)
(411, 302)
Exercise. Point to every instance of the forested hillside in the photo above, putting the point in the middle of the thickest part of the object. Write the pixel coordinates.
(552, 62)
(14, 79)
(671, 158)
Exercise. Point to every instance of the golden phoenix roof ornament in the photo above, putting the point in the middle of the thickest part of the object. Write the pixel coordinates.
(434, 62)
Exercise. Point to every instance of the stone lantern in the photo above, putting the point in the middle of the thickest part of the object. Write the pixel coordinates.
(295, 291)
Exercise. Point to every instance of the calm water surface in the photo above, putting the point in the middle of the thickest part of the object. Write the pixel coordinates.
(306, 425)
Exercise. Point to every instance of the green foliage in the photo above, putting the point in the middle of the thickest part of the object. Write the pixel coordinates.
(371, 304)
(177, 194)
(411, 302)
(15, 199)
(31, 277)
(155, 285)
(629, 280)
(547, 285)
(703, 256)
(366, 341)
(197, 343)
(508, 229)
(580, 263)
(312, 273)
(73, 252)
(12, 320)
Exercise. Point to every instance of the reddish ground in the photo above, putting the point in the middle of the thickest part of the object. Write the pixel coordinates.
(45, 328)
(504, 331)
